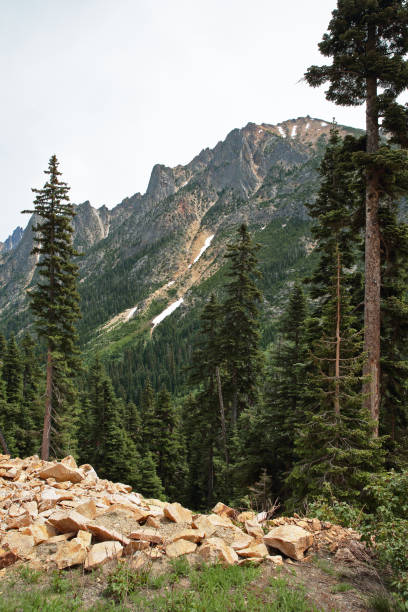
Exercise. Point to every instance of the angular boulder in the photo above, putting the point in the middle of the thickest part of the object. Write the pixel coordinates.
(176, 513)
(216, 550)
(61, 473)
(65, 522)
(102, 552)
(289, 539)
(180, 547)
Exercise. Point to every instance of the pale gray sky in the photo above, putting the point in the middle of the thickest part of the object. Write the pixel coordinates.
(114, 86)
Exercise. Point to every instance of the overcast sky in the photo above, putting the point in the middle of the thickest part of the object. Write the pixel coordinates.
(114, 86)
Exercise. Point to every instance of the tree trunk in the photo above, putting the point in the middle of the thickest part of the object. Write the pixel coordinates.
(45, 447)
(338, 341)
(3, 443)
(222, 414)
(372, 258)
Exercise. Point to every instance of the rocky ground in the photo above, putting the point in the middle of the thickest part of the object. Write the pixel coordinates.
(55, 516)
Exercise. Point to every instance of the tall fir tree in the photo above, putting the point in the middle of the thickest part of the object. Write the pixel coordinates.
(54, 299)
(368, 42)
(240, 332)
(268, 437)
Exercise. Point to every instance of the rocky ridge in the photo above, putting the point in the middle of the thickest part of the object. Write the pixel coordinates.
(135, 249)
(59, 515)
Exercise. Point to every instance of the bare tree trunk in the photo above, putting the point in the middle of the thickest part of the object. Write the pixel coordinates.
(338, 340)
(210, 483)
(45, 447)
(372, 258)
(3, 443)
(222, 413)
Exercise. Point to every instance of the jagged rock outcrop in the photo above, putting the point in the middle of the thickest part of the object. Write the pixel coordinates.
(257, 174)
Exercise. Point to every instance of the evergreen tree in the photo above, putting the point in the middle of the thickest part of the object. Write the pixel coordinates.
(169, 456)
(240, 328)
(206, 436)
(368, 43)
(150, 484)
(32, 392)
(335, 451)
(3, 347)
(273, 429)
(13, 373)
(334, 445)
(54, 300)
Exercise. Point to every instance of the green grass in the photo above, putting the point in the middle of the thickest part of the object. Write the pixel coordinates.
(181, 589)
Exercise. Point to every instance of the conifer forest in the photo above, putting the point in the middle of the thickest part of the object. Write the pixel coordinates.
(278, 379)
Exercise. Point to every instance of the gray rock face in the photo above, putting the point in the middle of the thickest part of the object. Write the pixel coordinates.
(257, 173)
(12, 241)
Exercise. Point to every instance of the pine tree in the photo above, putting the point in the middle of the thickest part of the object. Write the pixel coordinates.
(150, 483)
(54, 300)
(334, 445)
(169, 455)
(335, 451)
(368, 42)
(205, 422)
(240, 328)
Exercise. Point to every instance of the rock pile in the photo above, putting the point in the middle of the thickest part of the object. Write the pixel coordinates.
(56, 514)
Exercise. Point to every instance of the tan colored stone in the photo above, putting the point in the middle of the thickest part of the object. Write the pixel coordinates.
(345, 556)
(70, 553)
(60, 538)
(19, 543)
(153, 522)
(105, 535)
(147, 535)
(223, 510)
(180, 547)
(88, 509)
(289, 539)
(216, 549)
(220, 521)
(38, 531)
(255, 550)
(242, 541)
(176, 513)
(20, 521)
(31, 507)
(276, 559)
(202, 523)
(68, 521)
(135, 546)
(254, 529)
(251, 561)
(246, 516)
(155, 502)
(61, 473)
(85, 537)
(102, 552)
(316, 524)
(69, 462)
(192, 535)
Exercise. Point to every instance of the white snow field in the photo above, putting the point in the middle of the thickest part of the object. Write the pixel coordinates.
(166, 312)
(204, 247)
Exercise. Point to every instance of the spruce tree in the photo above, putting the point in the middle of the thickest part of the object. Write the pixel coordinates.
(206, 438)
(150, 483)
(240, 333)
(54, 299)
(268, 437)
(168, 448)
(368, 42)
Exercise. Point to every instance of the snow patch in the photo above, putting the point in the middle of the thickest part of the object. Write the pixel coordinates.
(170, 283)
(284, 225)
(323, 124)
(167, 312)
(263, 227)
(130, 313)
(294, 129)
(204, 247)
(259, 131)
(307, 125)
(281, 132)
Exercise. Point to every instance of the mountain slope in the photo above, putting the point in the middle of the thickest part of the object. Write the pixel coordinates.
(148, 252)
